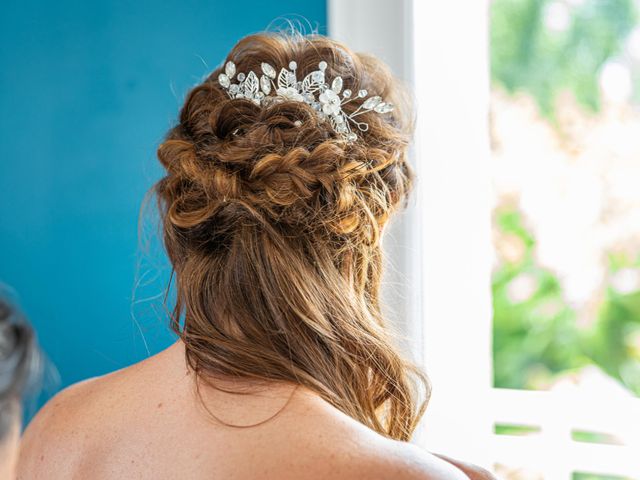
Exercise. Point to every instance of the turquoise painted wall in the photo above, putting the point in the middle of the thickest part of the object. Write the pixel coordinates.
(87, 90)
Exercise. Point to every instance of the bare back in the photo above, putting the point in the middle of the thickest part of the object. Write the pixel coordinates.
(146, 422)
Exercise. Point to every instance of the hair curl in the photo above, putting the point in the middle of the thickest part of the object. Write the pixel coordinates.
(272, 223)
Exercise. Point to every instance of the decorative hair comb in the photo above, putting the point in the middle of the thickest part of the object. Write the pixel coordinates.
(327, 104)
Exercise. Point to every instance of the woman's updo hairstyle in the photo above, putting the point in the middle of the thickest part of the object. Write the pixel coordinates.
(272, 222)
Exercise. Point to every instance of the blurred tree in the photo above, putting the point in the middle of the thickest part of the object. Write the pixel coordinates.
(535, 335)
(542, 48)
(545, 46)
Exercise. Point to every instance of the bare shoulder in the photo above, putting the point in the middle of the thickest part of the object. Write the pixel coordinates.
(50, 442)
(82, 417)
(352, 451)
(56, 439)
(131, 414)
(405, 461)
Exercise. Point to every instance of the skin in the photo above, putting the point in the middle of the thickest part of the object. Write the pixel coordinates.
(146, 422)
(9, 446)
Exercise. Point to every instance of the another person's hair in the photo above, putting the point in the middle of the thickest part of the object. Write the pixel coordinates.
(272, 223)
(19, 364)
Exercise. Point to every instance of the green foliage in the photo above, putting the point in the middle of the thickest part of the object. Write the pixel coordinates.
(608, 343)
(595, 476)
(527, 56)
(536, 338)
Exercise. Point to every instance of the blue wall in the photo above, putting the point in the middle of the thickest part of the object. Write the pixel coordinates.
(87, 90)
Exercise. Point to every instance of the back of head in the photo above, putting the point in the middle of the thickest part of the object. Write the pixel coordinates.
(272, 217)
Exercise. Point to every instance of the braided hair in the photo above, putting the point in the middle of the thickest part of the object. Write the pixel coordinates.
(272, 223)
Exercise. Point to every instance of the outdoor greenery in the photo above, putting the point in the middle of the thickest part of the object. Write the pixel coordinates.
(538, 338)
(544, 58)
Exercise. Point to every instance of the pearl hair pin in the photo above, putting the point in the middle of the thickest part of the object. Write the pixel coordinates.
(326, 99)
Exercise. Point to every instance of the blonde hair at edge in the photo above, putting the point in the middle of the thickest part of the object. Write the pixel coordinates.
(272, 223)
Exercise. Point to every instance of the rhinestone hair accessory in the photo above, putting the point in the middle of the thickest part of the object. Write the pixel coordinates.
(326, 99)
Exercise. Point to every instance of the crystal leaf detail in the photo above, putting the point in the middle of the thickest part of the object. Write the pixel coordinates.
(265, 84)
(286, 79)
(251, 85)
(223, 79)
(268, 70)
(230, 69)
(371, 103)
(312, 82)
(383, 107)
(336, 85)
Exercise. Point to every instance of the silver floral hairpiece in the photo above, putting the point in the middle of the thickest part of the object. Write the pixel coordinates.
(328, 104)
